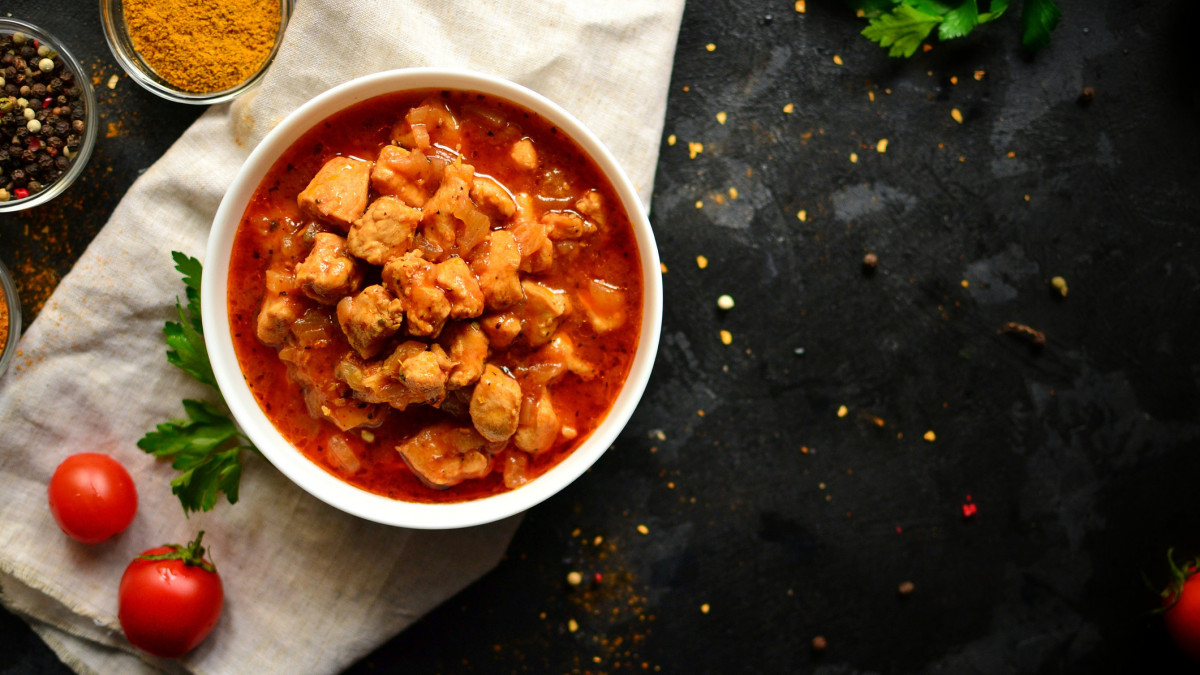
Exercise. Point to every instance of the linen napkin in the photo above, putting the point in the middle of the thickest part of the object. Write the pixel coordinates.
(308, 588)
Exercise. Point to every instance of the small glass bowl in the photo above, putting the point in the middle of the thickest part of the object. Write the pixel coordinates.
(112, 15)
(86, 144)
(8, 293)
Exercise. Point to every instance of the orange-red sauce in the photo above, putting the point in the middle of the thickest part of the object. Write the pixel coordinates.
(361, 131)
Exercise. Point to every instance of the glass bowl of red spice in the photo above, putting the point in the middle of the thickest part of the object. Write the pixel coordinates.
(47, 116)
(198, 53)
(10, 318)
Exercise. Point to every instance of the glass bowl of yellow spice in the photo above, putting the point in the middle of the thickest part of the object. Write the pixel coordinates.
(195, 52)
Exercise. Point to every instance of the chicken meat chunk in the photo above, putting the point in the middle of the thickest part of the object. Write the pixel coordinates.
(467, 346)
(538, 425)
(544, 311)
(454, 277)
(409, 175)
(384, 232)
(329, 273)
(496, 404)
(414, 280)
(488, 195)
(496, 264)
(562, 225)
(338, 193)
(445, 454)
(369, 319)
(524, 154)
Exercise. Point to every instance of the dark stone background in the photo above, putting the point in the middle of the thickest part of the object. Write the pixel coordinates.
(786, 520)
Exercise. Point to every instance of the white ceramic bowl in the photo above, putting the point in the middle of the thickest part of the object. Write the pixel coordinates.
(291, 461)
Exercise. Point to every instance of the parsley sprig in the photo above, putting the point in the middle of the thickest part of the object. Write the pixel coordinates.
(206, 446)
(903, 25)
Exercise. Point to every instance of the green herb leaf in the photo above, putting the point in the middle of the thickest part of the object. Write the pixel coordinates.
(903, 30)
(959, 21)
(995, 10)
(199, 448)
(206, 446)
(1038, 19)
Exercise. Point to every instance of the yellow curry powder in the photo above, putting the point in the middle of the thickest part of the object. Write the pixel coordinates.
(204, 46)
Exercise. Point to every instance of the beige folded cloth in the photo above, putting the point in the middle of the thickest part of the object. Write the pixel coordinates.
(308, 588)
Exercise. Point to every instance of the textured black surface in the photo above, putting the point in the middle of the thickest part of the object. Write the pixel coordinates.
(759, 502)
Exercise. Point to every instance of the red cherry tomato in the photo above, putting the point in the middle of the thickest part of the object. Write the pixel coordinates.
(92, 497)
(170, 599)
(1182, 616)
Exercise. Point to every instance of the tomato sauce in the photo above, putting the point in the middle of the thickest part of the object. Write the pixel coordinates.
(489, 126)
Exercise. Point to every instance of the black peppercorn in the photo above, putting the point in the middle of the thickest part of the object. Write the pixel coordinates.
(77, 125)
(53, 141)
(39, 89)
(35, 186)
(18, 177)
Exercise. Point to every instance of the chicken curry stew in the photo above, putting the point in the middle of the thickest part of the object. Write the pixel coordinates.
(435, 295)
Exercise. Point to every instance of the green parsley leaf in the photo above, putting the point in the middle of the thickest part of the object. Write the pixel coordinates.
(1038, 19)
(959, 21)
(199, 447)
(903, 30)
(995, 10)
(206, 446)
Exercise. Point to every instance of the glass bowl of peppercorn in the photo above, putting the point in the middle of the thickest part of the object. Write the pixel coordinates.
(47, 111)
(199, 53)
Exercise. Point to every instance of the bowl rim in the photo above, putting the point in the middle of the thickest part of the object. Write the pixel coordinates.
(8, 289)
(113, 21)
(295, 465)
(86, 145)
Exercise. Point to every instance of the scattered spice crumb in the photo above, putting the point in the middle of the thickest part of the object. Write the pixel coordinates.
(953, 79)
(572, 625)
(854, 158)
(1011, 154)
(957, 115)
(871, 96)
(979, 75)
(838, 60)
(710, 47)
(367, 436)
(721, 117)
(804, 449)
(819, 643)
(906, 587)
(800, 6)
(725, 302)
(1026, 197)
(881, 146)
(726, 337)
(789, 108)
(642, 529)
(694, 149)
(699, 203)
(704, 608)
(1086, 96)
(663, 266)
(701, 262)
(574, 578)
(1035, 337)
(700, 413)
(964, 283)
(969, 508)
(1059, 284)
(112, 82)
(671, 139)
(733, 193)
(930, 436)
(869, 262)
(598, 540)
(802, 215)
(842, 411)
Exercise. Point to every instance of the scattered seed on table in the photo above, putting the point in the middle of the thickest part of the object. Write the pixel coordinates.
(800, 6)
(694, 149)
(710, 47)
(869, 262)
(726, 337)
(704, 608)
(1086, 96)
(819, 643)
(854, 158)
(979, 75)
(572, 625)
(733, 193)
(1059, 284)
(838, 60)
(642, 529)
(721, 117)
(112, 82)
(663, 267)
(802, 215)
(725, 302)
(574, 578)
(881, 146)
(671, 139)
(701, 262)
(957, 115)
(699, 203)
(842, 411)
(905, 588)
(930, 436)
